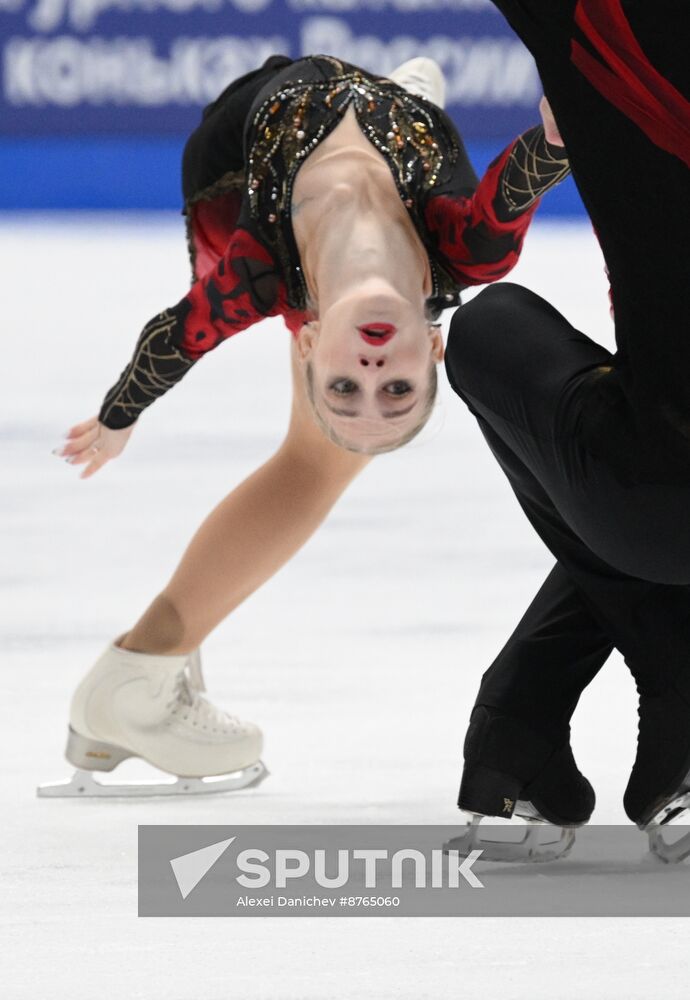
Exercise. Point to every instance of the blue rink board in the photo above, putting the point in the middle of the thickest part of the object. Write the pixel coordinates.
(136, 173)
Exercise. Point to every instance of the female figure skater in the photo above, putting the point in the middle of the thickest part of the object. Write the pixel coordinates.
(346, 203)
(595, 446)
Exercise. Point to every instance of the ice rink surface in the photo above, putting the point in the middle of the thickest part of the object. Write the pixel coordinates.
(360, 660)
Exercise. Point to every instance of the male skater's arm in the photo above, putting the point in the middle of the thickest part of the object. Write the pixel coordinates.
(481, 233)
(243, 288)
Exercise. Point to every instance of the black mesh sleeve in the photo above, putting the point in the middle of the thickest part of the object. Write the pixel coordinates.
(534, 166)
(156, 366)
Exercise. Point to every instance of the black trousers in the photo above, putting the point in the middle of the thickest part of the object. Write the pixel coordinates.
(521, 367)
(621, 539)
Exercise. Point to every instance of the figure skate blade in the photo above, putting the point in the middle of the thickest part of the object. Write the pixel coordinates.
(537, 842)
(659, 829)
(84, 784)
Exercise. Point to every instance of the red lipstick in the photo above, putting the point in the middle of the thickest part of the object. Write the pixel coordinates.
(376, 334)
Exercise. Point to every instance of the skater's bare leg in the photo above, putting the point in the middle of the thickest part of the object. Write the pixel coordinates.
(249, 535)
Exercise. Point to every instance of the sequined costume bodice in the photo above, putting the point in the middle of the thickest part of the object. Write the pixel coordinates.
(245, 257)
(345, 186)
(414, 137)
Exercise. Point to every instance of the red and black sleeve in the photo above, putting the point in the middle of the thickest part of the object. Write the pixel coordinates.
(480, 234)
(241, 289)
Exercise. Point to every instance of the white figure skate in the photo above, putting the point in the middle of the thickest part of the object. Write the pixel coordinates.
(423, 78)
(138, 705)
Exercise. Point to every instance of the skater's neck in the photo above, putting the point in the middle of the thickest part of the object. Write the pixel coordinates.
(350, 223)
(365, 243)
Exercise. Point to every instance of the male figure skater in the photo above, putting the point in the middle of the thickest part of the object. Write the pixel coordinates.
(595, 446)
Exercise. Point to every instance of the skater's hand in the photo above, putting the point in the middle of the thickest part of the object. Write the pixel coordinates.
(550, 127)
(93, 444)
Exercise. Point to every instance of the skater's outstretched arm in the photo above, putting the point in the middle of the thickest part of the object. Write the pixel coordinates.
(481, 232)
(241, 289)
(250, 535)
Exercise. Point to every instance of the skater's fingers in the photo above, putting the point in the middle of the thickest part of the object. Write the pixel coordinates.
(96, 463)
(551, 130)
(77, 444)
(89, 452)
(79, 429)
(94, 447)
(86, 455)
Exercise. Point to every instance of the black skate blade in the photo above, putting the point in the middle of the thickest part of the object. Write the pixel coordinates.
(534, 842)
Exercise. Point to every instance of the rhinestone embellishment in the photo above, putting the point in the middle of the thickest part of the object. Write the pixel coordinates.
(291, 123)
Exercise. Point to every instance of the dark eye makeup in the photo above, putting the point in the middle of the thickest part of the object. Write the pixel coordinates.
(346, 387)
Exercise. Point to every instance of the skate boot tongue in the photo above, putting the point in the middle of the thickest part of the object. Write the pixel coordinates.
(190, 680)
(196, 677)
(184, 690)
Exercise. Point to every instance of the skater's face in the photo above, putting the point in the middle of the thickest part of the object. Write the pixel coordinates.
(371, 360)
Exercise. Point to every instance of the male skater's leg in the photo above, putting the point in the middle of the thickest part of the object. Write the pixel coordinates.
(648, 622)
(520, 367)
(618, 79)
(555, 651)
(520, 723)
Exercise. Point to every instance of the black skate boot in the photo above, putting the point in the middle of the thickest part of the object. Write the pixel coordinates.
(513, 770)
(659, 787)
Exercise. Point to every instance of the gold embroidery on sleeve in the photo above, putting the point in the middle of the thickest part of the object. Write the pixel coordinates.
(156, 366)
(530, 172)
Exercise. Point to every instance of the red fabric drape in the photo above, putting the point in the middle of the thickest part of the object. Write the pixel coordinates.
(627, 79)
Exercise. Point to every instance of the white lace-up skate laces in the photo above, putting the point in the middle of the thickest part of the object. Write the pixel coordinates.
(191, 706)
